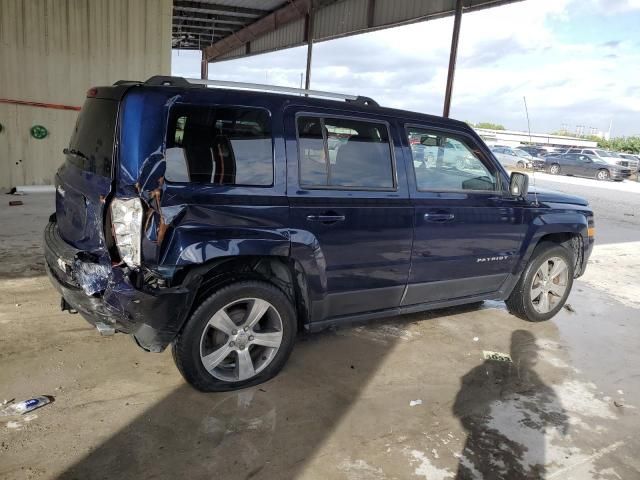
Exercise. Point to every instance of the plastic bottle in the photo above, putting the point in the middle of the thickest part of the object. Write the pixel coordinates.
(25, 406)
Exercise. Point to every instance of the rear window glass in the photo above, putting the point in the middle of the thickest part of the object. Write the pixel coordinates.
(219, 145)
(91, 145)
(344, 153)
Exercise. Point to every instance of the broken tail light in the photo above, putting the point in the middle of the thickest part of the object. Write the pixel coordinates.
(126, 221)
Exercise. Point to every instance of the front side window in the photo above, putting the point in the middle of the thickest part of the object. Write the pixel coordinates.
(339, 152)
(442, 162)
(219, 145)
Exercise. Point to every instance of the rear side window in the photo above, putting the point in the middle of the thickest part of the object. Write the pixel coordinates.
(91, 144)
(344, 153)
(219, 145)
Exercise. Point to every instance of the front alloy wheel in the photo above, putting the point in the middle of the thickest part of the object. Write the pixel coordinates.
(602, 175)
(544, 285)
(549, 284)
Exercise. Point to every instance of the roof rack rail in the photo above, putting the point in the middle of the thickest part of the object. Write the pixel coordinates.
(277, 89)
(127, 82)
(167, 81)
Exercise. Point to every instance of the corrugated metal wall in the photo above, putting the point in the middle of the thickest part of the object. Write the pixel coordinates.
(348, 17)
(52, 51)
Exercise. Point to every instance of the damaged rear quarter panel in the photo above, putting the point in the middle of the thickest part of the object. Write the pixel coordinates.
(190, 223)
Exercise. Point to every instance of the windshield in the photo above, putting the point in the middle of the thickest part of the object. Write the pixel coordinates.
(91, 144)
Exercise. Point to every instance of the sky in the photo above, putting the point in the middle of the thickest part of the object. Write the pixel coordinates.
(577, 62)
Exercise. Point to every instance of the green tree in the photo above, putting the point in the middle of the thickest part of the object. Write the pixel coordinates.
(490, 126)
(621, 144)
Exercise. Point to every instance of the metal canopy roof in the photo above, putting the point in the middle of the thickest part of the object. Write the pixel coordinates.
(225, 29)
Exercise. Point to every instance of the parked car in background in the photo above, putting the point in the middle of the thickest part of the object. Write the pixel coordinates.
(606, 156)
(426, 153)
(508, 157)
(583, 165)
(533, 150)
(634, 160)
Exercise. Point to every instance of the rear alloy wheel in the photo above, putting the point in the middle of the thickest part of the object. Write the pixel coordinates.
(240, 336)
(602, 175)
(554, 169)
(545, 284)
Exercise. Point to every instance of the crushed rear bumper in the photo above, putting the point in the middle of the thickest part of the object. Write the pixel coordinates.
(153, 316)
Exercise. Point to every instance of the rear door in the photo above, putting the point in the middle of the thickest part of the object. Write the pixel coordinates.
(350, 211)
(569, 164)
(84, 180)
(468, 233)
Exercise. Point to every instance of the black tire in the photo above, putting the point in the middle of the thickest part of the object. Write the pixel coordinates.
(520, 165)
(519, 302)
(603, 175)
(554, 169)
(186, 347)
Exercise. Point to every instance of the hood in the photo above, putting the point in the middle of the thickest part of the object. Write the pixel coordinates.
(553, 196)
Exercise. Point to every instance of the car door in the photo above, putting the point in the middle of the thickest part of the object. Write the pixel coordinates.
(351, 218)
(468, 231)
(584, 166)
(569, 164)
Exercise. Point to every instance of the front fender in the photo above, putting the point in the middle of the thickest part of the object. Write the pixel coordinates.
(561, 220)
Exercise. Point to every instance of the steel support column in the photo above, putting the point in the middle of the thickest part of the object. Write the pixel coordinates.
(204, 67)
(452, 58)
(309, 35)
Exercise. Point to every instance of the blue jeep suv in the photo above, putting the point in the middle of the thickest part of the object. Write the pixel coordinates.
(223, 221)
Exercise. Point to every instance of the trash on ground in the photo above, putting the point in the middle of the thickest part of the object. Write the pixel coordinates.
(620, 392)
(475, 339)
(413, 403)
(570, 308)
(497, 356)
(25, 406)
(15, 203)
(617, 404)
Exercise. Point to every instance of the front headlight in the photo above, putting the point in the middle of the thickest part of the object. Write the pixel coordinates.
(126, 219)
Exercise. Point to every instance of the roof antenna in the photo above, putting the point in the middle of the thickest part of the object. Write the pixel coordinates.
(533, 174)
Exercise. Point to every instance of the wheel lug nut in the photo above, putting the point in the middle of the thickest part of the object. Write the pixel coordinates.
(241, 347)
(250, 337)
(232, 344)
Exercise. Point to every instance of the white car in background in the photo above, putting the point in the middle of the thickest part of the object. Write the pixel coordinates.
(612, 158)
(633, 160)
(511, 157)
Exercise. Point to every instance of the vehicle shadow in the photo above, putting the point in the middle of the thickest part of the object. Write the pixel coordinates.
(268, 431)
(508, 412)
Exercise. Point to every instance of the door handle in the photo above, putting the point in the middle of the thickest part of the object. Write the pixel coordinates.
(439, 217)
(326, 218)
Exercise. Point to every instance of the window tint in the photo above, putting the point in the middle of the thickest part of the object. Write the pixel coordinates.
(219, 145)
(337, 152)
(442, 162)
(91, 145)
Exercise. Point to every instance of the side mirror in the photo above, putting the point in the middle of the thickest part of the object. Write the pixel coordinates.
(519, 184)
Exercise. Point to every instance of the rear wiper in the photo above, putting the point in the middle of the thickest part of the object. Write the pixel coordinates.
(76, 153)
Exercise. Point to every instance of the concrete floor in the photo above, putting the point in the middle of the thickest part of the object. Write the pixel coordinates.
(565, 408)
